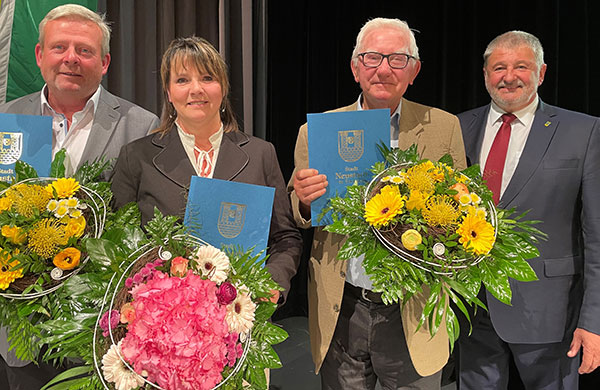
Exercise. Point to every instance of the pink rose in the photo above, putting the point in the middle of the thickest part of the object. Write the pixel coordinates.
(179, 266)
(226, 293)
(127, 313)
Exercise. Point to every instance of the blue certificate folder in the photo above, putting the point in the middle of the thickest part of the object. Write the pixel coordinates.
(27, 138)
(343, 146)
(229, 213)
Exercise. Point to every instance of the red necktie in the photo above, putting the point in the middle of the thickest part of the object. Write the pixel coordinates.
(494, 166)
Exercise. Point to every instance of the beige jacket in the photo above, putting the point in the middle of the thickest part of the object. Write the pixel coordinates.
(436, 133)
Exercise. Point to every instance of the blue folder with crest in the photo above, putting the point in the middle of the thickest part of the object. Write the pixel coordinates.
(27, 138)
(343, 146)
(224, 212)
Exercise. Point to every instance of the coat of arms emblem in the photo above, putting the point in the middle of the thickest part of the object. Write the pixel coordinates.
(12, 146)
(350, 144)
(231, 219)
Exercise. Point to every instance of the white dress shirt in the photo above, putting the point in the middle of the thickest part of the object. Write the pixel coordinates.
(72, 138)
(355, 273)
(520, 129)
(189, 144)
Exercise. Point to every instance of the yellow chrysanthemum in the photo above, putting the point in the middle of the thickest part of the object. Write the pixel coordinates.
(398, 179)
(385, 179)
(64, 187)
(46, 237)
(476, 234)
(383, 207)
(416, 200)
(440, 210)
(28, 197)
(6, 275)
(476, 211)
(61, 211)
(15, 234)
(75, 227)
(475, 198)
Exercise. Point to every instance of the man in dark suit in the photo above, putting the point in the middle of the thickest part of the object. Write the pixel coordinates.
(547, 160)
(87, 121)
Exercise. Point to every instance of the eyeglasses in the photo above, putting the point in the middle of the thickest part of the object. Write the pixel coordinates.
(372, 59)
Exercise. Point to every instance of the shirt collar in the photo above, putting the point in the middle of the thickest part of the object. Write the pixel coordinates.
(92, 101)
(397, 111)
(528, 111)
(189, 140)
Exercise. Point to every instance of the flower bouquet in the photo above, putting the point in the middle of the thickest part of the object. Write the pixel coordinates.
(44, 224)
(423, 223)
(176, 314)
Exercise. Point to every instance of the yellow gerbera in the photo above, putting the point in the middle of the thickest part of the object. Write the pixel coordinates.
(15, 234)
(46, 237)
(416, 200)
(383, 207)
(6, 275)
(440, 210)
(64, 187)
(476, 234)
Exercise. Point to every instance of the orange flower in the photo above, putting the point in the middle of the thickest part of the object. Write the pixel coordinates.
(179, 266)
(67, 259)
(127, 313)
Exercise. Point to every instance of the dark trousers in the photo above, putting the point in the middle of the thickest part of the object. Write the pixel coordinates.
(485, 361)
(29, 377)
(369, 345)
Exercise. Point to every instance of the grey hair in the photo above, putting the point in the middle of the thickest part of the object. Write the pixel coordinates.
(75, 11)
(513, 39)
(376, 23)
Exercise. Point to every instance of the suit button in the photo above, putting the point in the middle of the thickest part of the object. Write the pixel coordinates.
(336, 308)
(343, 274)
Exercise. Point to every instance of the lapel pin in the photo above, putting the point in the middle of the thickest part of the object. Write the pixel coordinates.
(547, 123)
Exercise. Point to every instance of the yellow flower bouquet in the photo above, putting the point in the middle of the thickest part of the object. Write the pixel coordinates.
(423, 223)
(42, 224)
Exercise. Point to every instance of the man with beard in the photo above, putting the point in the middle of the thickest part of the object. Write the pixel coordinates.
(547, 160)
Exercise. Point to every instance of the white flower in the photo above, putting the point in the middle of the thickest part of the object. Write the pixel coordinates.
(213, 263)
(240, 313)
(61, 211)
(72, 203)
(116, 372)
(52, 205)
(397, 179)
(76, 213)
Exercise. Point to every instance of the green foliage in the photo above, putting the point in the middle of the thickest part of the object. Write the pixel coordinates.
(57, 168)
(399, 279)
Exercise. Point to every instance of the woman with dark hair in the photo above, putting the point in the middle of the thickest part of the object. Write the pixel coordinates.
(198, 135)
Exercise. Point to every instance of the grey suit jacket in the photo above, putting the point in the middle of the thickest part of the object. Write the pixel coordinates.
(558, 179)
(116, 123)
(155, 171)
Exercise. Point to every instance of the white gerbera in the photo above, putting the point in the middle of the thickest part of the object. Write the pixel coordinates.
(213, 263)
(116, 372)
(240, 313)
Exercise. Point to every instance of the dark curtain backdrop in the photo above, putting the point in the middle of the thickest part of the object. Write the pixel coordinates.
(310, 44)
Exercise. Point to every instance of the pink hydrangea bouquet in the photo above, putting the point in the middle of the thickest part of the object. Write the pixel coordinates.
(182, 322)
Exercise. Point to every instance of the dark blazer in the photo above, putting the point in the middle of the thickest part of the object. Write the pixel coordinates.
(558, 180)
(116, 123)
(155, 171)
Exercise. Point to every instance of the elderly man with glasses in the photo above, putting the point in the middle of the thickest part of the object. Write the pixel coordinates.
(356, 340)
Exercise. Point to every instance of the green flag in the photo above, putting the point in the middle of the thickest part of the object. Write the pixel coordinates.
(19, 20)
